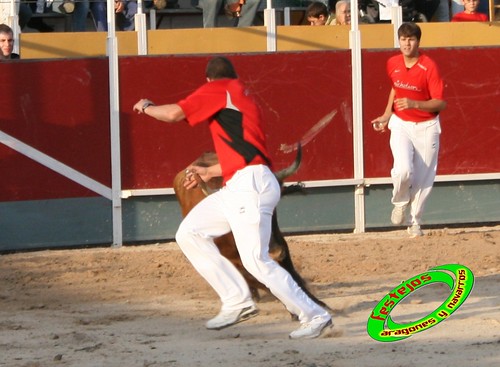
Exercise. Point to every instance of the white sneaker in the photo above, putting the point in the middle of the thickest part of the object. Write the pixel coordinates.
(415, 231)
(398, 215)
(313, 328)
(228, 318)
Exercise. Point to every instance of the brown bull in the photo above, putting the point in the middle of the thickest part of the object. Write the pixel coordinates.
(278, 247)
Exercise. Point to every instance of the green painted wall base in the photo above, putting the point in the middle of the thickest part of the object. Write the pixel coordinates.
(449, 203)
(87, 221)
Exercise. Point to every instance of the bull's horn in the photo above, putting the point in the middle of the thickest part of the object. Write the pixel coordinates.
(290, 170)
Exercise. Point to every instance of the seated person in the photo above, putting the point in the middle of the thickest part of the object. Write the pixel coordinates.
(125, 12)
(342, 13)
(7, 43)
(27, 11)
(470, 13)
(317, 14)
(243, 11)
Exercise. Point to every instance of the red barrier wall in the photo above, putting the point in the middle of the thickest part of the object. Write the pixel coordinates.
(294, 91)
(61, 108)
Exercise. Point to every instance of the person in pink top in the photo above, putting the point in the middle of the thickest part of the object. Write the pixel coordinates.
(412, 116)
(470, 13)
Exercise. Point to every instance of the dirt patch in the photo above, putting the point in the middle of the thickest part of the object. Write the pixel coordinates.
(146, 306)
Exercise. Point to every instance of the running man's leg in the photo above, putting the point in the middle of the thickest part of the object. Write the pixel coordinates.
(402, 153)
(195, 238)
(251, 226)
(425, 165)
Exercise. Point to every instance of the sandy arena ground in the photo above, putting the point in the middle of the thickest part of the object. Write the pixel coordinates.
(145, 306)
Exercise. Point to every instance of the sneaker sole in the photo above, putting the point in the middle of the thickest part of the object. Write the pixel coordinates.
(243, 317)
(328, 325)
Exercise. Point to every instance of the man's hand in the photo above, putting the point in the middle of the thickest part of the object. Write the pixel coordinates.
(194, 176)
(405, 104)
(380, 123)
(119, 6)
(138, 107)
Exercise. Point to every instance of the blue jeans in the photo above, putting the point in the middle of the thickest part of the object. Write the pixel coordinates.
(124, 20)
(79, 16)
(211, 9)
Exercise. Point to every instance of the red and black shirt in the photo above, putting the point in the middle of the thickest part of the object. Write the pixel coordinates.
(234, 120)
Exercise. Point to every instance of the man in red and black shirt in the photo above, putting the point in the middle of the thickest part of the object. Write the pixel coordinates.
(412, 115)
(244, 205)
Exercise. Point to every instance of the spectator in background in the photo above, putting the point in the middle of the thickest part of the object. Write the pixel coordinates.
(470, 13)
(125, 13)
(442, 13)
(447, 10)
(456, 7)
(7, 43)
(426, 7)
(242, 10)
(317, 14)
(369, 11)
(342, 13)
(26, 12)
(79, 10)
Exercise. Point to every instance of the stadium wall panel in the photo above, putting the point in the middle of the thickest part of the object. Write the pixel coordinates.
(61, 108)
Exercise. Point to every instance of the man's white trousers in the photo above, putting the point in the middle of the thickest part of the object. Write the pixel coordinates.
(244, 206)
(415, 148)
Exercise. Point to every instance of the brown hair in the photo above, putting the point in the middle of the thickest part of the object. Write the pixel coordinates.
(316, 9)
(4, 28)
(220, 68)
(409, 29)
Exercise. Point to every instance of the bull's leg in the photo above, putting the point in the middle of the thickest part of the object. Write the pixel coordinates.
(283, 257)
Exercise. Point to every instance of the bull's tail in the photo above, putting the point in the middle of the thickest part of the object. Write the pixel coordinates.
(290, 170)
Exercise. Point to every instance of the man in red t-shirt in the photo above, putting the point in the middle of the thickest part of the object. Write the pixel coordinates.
(415, 100)
(470, 13)
(244, 205)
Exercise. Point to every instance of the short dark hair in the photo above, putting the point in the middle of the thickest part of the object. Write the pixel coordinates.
(4, 28)
(316, 9)
(409, 29)
(220, 68)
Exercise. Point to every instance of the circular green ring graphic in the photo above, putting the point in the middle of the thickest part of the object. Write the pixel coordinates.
(382, 328)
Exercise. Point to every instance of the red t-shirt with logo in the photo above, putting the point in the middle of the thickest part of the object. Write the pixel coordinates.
(234, 120)
(469, 17)
(421, 82)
